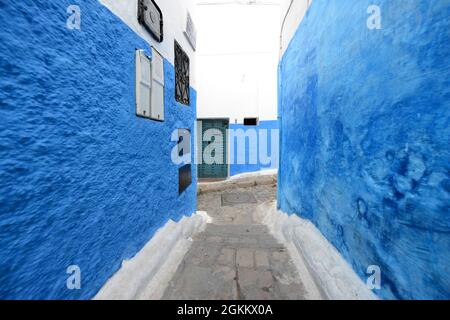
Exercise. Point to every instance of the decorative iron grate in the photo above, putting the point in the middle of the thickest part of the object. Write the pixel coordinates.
(181, 75)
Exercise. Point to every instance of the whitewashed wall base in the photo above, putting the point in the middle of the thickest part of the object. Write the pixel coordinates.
(332, 274)
(147, 274)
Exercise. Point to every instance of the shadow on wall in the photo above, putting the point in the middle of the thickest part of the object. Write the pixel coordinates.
(365, 138)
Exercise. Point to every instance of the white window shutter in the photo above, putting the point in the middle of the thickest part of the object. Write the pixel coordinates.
(143, 84)
(157, 96)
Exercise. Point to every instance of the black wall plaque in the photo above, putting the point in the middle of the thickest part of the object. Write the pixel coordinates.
(184, 178)
(151, 17)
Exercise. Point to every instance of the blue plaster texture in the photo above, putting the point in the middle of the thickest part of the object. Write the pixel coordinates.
(83, 180)
(365, 138)
(252, 150)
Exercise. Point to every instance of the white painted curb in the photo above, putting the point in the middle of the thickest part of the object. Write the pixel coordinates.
(333, 275)
(147, 275)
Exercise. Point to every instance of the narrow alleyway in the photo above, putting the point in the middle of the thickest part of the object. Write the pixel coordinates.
(236, 258)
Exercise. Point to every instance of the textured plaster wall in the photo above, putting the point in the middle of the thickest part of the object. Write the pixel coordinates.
(264, 132)
(365, 138)
(83, 180)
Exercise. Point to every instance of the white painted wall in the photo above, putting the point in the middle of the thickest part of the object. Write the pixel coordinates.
(237, 59)
(292, 19)
(174, 14)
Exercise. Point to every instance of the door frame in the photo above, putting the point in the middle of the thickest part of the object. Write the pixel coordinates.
(227, 138)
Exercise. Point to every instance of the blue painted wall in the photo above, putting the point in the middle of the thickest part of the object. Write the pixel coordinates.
(365, 138)
(83, 180)
(252, 150)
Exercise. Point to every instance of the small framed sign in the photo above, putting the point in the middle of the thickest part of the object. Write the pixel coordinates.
(151, 17)
(191, 31)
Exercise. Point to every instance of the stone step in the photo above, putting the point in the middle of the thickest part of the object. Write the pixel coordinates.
(234, 236)
(237, 229)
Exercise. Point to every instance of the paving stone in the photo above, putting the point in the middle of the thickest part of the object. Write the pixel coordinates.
(261, 258)
(235, 258)
(258, 294)
(265, 279)
(202, 283)
(245, 258)
(247, 277)
(202, 255)
(227, 257)
(236, 198)
(280, 256)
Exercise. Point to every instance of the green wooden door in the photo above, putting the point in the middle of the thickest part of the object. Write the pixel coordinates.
(215, 170)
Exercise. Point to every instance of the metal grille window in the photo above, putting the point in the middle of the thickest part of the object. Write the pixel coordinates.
(181, 75)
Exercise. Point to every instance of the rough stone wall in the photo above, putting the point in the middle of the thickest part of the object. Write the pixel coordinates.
(365, 138)
(83, 180)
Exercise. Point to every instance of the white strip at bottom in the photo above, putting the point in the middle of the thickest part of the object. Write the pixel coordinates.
(264, 172)
(334, 277)
(146, 276)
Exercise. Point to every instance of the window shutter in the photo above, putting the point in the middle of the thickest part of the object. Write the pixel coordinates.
(157, 98)
(143, 84)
